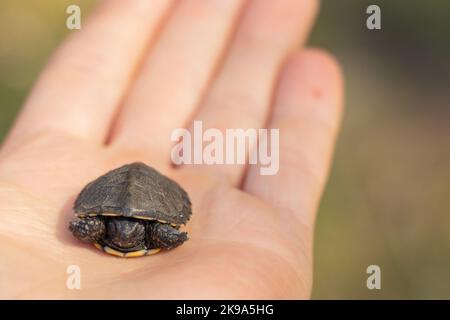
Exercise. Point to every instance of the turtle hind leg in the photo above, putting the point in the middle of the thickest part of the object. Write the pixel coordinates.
(88, 229)
(165, 236)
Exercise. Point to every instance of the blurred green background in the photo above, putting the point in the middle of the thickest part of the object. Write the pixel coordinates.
(388, 199)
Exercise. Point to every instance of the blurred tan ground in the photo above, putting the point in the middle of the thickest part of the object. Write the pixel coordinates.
(388, 199)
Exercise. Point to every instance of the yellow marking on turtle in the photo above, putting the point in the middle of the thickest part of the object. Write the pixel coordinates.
(163, 221)
(83, 215)
(153, 219)
(132, 254)
(152, 251)
(143, 218)
(141, 253)
(113, 252)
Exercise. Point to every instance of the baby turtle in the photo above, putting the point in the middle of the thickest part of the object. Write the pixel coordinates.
(132, 211)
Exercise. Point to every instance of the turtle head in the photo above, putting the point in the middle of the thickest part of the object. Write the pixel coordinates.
(126, 233)
(89, 229)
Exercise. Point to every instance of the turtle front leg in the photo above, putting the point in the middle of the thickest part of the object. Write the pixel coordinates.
(89, 229)
(165, 236)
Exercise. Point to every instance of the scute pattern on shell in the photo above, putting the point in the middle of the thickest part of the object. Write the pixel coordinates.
(136, 190)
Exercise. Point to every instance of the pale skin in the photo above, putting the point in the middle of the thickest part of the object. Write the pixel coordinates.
(113, 93)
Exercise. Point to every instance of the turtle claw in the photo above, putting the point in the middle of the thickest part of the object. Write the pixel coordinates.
(165, 236)
(89, 229)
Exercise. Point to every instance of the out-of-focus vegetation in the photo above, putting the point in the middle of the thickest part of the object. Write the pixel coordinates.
(387, 198)
(387, 201)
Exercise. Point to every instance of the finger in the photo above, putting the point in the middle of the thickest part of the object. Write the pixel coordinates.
(240, 97)
(80, 88)
(175, 73)
(307, 110)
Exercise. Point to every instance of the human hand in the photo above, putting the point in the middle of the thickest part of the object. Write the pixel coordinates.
(113, 93)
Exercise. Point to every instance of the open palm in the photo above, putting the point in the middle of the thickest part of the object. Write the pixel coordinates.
(113, 94)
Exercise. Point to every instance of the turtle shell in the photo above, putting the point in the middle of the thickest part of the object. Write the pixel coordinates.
(137, 191)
